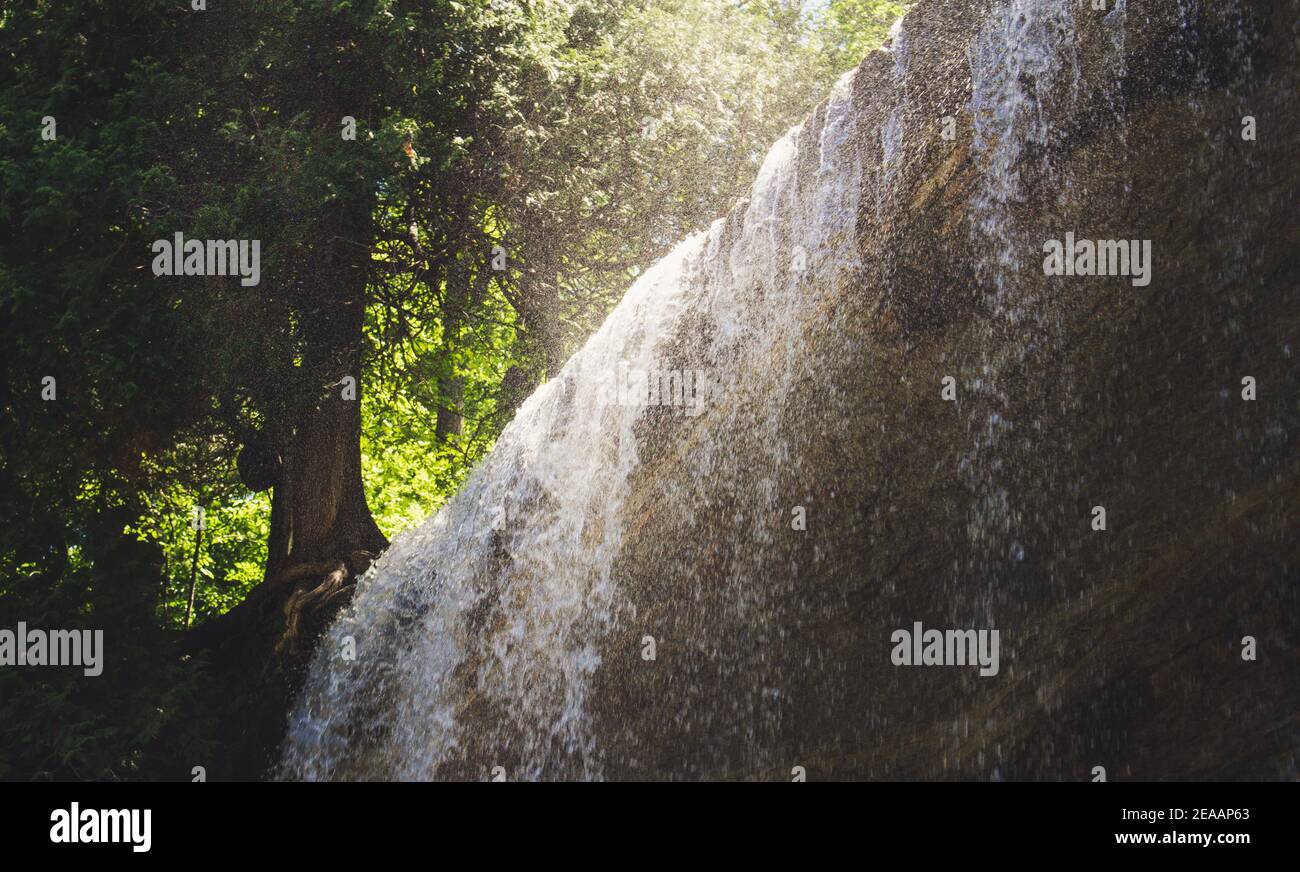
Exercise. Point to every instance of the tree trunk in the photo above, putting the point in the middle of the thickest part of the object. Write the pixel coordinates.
(450, 420)
(318, 508)
(451, 389)
(322, 533)
(308, 450)
(194, 571)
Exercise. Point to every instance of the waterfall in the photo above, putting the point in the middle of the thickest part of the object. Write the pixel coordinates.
(619, 589)
(1025, 81)
(492, 612)
(1023, 65)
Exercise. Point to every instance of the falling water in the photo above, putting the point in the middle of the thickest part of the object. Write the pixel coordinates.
(1025, 79)
(499, 602)
(1023, 66)
(484, 637)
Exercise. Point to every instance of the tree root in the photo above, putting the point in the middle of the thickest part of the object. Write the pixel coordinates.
(302, 600)
(307, 602)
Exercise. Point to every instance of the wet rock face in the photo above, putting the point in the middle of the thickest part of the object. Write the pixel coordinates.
(909, 421)
(1120, 648)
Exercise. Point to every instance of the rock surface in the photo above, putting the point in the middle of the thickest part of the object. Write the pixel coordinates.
(1120, 648)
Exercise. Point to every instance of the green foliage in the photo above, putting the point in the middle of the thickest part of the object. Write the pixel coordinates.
(75, 305)
(852, 28)
(626, 126)
(56, 723)
(409, 470)
(231, 546)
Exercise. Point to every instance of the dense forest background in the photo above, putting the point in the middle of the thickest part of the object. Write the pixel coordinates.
(449, 197)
